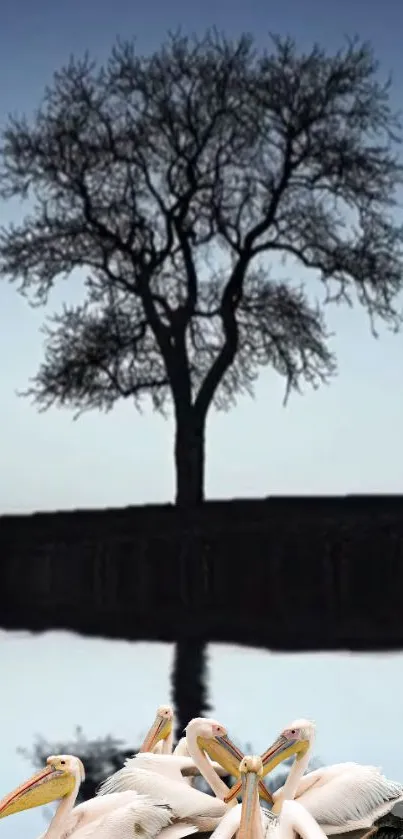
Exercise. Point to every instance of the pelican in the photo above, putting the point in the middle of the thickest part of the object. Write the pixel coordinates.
(197, 809)
(155, 753)
(253, 823)
(203, 736)
(159, 738)
(112, 817)
(341, 798)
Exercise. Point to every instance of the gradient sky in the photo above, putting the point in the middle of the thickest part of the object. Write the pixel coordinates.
(345, 438)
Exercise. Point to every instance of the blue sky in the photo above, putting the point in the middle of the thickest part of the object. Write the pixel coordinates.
(345, 438)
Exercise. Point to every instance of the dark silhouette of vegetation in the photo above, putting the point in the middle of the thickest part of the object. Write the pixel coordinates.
(174, 182)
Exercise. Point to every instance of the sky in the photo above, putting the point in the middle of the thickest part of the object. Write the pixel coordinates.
(57, 681)
(343, 438)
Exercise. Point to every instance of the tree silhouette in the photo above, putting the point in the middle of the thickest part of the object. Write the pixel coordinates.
(189, 682)
(173, 182)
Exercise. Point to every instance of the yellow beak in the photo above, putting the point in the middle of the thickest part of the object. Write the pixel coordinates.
(250, 811)
(225, 752)
(48, 785)
(280, 750)
(160, 730)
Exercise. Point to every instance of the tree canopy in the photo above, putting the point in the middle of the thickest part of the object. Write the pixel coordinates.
(173, 180)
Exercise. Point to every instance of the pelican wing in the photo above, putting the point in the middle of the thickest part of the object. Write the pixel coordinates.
(347, 796)
(142, 817)
(175, 766)
(91, 811)
(186, 802)
(317, 776)
(171, 766)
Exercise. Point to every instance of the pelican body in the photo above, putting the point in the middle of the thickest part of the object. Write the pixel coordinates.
(119, 816)
(250, 822)
(206, 740)
(341, 798)
(131, 791)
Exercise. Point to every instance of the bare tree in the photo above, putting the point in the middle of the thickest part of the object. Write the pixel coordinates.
(172, 181)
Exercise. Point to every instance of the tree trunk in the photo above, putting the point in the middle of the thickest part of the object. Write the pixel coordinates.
(189, 674)
(189, 682)
(189, 462)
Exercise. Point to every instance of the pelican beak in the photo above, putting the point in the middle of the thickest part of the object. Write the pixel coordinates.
(226, 753)
(48, 785)
(280, 750)
(250, 805)
(160, 730)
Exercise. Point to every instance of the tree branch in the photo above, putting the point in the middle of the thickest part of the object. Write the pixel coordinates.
(167, 179)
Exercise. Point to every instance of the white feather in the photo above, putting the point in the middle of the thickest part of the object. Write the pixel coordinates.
(346, 796)
(171, 766)
(181, 748)
(175, 766)
(177, 831)
(199, 808)
(143, 818)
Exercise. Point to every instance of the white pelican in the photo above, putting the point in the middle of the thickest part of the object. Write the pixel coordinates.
(203, 736)
(341, 798)
(112, 817)
(185, 804)
(252, 822)
(155, 753)
(159, 738)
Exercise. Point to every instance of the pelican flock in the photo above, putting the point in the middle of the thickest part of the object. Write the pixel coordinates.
(152, 794)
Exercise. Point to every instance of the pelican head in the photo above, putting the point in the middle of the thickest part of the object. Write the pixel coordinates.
(212, 738)
(251, 763)
(61, 775)
(160, 729)
(295, 739)
(251, 769)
